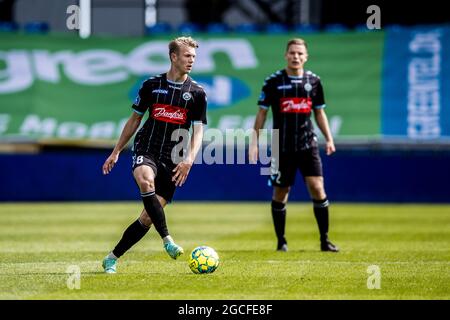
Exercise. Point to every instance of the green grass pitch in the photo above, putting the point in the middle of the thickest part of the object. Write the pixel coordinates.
(409, 243)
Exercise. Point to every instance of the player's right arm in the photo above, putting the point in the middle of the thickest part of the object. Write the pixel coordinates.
(264, 101)
(259, 124)
(128, 131)
(140, 105)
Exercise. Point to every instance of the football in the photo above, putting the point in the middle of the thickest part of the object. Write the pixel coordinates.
(203, 259)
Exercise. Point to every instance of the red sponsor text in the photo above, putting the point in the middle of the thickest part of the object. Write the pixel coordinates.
(168, 113)
(295, 105)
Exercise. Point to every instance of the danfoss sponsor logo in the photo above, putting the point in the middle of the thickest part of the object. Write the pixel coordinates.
(167, 113)
(295, 105)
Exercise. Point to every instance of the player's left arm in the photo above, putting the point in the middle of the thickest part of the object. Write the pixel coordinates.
(322, 123)
(181, 171)
(318, 102)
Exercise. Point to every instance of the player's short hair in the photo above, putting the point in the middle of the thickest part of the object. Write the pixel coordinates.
(175, 44)
(297, 41)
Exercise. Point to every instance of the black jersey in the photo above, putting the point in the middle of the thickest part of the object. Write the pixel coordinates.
(292, 100)
(171, 106)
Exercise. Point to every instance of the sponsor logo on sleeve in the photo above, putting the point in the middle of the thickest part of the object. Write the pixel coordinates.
(262, 96)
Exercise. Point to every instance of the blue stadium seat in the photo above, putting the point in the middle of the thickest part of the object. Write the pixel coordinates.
(37, 27)
(393, 27)
(247, 28)
(8, 26)
(217, 28)
(159, 28)
(276, 28)
(188, 28)
(306, 28)
(336, 28)
(361, 28)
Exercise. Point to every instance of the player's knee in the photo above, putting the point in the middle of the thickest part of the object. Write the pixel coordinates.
(146, 184)
(317, 191)
(316, 188)
(281, 194)
(144, 218)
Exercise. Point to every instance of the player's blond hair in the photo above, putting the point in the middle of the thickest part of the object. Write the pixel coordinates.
(175, 44)
(297, 41)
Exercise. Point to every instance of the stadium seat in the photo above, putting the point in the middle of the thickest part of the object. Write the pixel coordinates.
(336, 28)
(36, 27)
(8, 26)
(361, 28)
(246, 28)
(276, 28)
(393, 27)
(159, 28)
(217, 28)
(306, 28)
(188, 28)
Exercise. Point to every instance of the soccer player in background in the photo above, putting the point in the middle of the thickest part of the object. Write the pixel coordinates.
(293, 94)
(174, 101)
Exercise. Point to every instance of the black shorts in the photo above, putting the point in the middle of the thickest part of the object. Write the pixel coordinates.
(307, 161)
(164, 186)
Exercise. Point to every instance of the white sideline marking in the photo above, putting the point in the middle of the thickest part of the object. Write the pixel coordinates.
(357, 262)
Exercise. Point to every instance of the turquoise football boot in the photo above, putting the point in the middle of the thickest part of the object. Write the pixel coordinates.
(173, 249)
(109, 265)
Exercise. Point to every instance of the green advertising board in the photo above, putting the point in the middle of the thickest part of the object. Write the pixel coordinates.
(63, 87)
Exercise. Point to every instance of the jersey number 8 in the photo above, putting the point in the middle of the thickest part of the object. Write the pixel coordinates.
(140, 159)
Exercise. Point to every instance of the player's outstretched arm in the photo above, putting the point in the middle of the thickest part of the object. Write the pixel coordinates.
(181, 171)
(128, 131)
(322, 123)
(259, 124)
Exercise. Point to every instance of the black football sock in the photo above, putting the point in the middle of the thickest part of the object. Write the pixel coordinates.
(279, 220)
(321, 214)
(131, 236)
(156, 212)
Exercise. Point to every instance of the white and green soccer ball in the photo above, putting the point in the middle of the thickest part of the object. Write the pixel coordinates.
(203, 260)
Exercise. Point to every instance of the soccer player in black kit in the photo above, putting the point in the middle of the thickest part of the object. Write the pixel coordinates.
(174, 101)
(293, 93)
